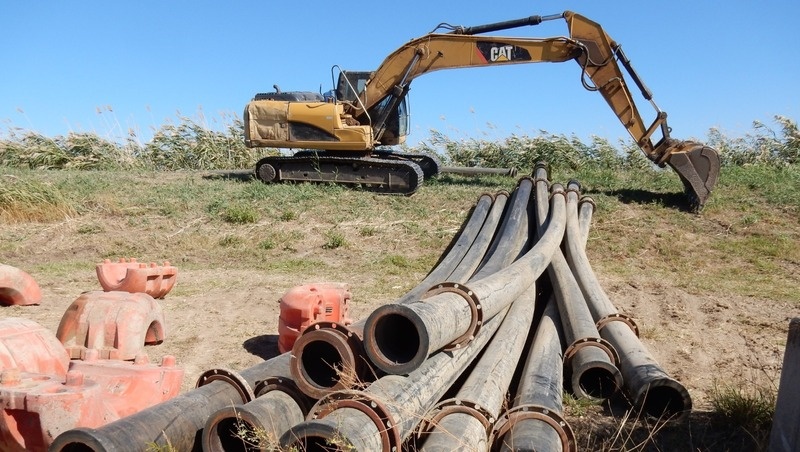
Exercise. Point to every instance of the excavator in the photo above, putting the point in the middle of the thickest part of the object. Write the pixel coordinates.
(345, 135)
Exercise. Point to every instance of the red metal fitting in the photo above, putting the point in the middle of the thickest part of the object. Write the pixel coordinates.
(117, 324)
(29, 347)
(134, 277)
(129, 387)
(304, 305)
(36, 408)
(18, 287)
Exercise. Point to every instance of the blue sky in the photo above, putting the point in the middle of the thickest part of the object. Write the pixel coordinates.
(108, 67)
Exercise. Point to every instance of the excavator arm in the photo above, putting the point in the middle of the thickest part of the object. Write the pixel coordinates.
(588, 44)
(341, 132)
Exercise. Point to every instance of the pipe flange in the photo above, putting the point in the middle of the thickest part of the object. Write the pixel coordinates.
(452, 406)
(599, 342)
(367, 404)
(285, 385)
(618, 317)
(475, 308)
(526, 412)
(232, 378)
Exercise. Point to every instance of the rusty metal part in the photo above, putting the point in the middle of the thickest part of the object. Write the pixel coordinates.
(328, 356)
(230, 377)
(391, 407)
(398, 338)
(590, 362)
(176, 423)
(128, 275)
(519, 426)
(476, 311)
(648, 385)
(372, 174)
(30, 347)
(484, 401)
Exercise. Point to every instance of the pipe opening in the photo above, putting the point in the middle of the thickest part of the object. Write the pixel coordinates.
(397, 338)
(238, 435)
(664, 402)
(76, 447)
(313, 443)
(598, 383)
(322, 364)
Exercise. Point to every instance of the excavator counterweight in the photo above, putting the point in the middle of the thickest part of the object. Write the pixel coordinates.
(345, 131)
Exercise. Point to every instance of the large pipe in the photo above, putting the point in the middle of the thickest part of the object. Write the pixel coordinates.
(257, 424)
(330, 357)
(475, 171)
(469, 416)
(398, 338)
(178, 422)
(387, 412)
(535, 421)
(649, 386)
(589, 360)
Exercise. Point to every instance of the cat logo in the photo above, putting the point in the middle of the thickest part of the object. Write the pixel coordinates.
(504, 53)
(500, 52)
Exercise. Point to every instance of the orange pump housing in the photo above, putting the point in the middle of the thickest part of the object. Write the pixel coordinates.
(304, 305)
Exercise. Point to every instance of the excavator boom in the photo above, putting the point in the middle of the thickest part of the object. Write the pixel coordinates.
(370, 117)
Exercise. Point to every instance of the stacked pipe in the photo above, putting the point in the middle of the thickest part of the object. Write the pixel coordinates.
(473, 356)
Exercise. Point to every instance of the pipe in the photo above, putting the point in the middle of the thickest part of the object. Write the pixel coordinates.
(469, 416)
(535, 420)
(472, 260)
(474, 171)
(398, 338)
(648, 385)
(386, 413)
(330, 356)
(177, 422)
(257, 424)
(589, 360)
(511, 240)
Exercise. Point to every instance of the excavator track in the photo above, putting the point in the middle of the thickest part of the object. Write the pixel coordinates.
(380, 175)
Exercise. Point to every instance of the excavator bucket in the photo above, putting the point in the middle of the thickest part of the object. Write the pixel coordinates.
(698, 167)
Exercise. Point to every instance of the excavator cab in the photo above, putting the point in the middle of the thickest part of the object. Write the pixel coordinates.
(348, 88)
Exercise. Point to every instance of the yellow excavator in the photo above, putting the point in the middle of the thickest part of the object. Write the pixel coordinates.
(344, 134)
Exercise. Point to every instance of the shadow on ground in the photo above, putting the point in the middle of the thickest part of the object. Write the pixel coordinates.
(264, 346)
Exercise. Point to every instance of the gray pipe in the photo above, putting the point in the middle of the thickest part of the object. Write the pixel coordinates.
(648, 385)
(535, 421)
(398, 338)
(589, 360)
(469, 416)
(387, 412)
